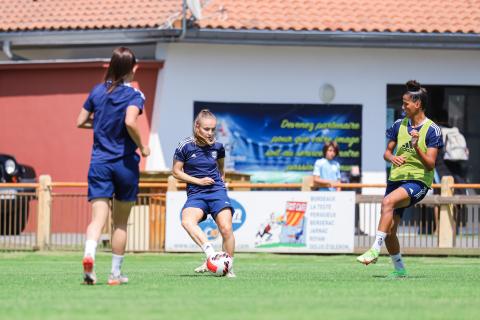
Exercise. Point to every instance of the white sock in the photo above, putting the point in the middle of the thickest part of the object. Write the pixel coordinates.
(397, 261)
(207, 247)
(90, 248)
(116, 264)
(379, 239)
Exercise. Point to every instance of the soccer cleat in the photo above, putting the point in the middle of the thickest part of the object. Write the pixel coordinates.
(398, 274)
(89, 276)
(203, 268)
(231, 274)
(117, 280)
(371, 256)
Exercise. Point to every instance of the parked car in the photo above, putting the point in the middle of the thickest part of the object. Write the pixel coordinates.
(14, 205)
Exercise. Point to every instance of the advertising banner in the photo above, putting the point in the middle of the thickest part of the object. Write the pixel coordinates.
(281, 142)
(274, 221)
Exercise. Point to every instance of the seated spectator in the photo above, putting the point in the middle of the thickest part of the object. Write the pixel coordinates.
(326, 171)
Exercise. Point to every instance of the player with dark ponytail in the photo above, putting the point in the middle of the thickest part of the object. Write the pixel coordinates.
(112, 109)
(417, 141)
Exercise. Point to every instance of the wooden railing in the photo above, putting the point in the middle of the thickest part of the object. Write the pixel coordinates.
(446, 201)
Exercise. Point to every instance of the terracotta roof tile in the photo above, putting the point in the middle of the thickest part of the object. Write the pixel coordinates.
(438, 16)
(354, 15)
(28, 15)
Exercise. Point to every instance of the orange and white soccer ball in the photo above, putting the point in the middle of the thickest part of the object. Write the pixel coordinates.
(220, 264)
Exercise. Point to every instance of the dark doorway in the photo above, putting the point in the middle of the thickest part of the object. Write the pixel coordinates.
(449, 105)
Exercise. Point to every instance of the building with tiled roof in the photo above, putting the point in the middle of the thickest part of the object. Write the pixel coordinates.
(409, 23)
(236, 51)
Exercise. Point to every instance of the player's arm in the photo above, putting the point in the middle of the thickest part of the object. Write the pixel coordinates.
(319, 182)
(132, 127)
(427, 158)
(179, 174)
(85, 119)
(389, 156)
(221, 167)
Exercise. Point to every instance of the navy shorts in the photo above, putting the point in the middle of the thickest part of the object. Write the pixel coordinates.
(116, 178)
(416, 190)
(211, 203)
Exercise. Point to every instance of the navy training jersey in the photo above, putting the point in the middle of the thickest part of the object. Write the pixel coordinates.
(433, 138)
(111, 140)
(200, 162)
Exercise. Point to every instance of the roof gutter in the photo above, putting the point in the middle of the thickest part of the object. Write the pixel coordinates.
(337, 38)
(245, 37)
(7, 49)
(89, 37)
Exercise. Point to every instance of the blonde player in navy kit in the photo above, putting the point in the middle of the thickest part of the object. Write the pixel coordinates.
(199, 161)
(114, 173)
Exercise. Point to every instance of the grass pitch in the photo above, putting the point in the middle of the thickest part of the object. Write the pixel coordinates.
(268, 286)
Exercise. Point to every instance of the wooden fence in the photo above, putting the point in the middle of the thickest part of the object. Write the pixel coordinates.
(55, 215)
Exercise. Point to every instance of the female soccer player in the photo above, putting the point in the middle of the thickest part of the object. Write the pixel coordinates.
(199, 161)
(111, 110)
(417, 140)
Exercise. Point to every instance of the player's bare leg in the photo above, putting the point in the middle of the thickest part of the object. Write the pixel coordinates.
(100, 211)
(399, 198)
(224, 223)
(393, 247)
(120, 214)
(190, 219)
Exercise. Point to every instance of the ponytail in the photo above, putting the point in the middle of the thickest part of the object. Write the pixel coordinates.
(417, 93)
(121, 65)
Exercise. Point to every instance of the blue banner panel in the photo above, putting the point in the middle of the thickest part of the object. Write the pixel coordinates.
(281, 142)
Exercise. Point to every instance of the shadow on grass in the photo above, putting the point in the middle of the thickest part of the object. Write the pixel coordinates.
(197, 275)
(387, 277)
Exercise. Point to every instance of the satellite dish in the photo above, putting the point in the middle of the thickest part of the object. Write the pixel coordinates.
(196, 8)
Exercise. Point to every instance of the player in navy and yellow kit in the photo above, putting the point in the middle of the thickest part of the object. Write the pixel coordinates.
(111, 110)
(417, 140)
(199, 161)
